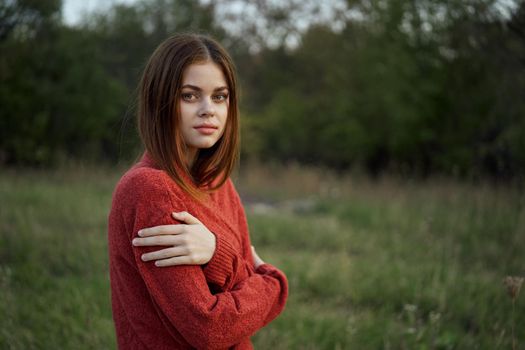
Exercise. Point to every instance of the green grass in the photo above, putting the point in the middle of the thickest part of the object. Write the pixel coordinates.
(371, 265)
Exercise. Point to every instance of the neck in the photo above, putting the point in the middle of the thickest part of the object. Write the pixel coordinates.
(191, 155)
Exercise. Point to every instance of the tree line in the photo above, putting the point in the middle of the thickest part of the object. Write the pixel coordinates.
(417, 87)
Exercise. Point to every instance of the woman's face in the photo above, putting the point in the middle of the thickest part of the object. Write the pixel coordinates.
(203, 105)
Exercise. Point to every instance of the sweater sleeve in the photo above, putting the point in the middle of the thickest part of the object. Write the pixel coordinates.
(181, 293)
(227, 266)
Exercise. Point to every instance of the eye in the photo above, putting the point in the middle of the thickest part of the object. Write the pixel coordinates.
(220, 97)
(188, 96)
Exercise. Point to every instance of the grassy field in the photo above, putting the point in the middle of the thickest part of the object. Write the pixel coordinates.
(371, 265)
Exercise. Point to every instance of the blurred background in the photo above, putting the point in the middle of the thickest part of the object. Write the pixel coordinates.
(416, 87)
(383, 153)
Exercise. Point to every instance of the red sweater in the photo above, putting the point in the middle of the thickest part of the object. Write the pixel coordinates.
(215, 306)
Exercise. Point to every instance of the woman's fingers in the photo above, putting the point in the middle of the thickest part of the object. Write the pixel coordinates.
(162, 230)
(257, 261)
(182, 216)
(186, 217)
(177, 260)
(165, 253)
(191, 243)
(157, 240)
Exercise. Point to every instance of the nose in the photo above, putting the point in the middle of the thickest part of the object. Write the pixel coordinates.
(207, 109)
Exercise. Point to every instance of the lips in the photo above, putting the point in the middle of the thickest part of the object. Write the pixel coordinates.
(206, 126)
(206, 129)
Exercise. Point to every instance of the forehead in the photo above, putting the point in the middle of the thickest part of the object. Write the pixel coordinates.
(205, 74)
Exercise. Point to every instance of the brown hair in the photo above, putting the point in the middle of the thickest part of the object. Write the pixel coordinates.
(158, 114)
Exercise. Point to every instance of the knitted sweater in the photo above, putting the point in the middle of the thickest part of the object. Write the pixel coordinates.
(215, 306)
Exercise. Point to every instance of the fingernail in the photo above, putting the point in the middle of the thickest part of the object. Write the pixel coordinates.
(135, 241)
(175, 214)
(157, 263)
(140, 233)
(143, 257)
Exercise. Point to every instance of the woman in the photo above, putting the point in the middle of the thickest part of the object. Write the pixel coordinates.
(177, 208)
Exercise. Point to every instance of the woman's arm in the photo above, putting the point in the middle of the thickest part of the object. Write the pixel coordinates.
(210, 321)
(181, 293)
(223, 265)
(193, 244)
(190, 243)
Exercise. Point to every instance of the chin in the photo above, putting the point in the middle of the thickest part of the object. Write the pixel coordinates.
(204, 145)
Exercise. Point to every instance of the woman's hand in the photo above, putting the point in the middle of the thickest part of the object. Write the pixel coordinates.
(257, 261)
(189, 244)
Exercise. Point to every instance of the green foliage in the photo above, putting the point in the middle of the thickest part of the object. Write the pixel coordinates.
(56, 98)
(53, 262)
(67, 92)
(411, 87)
(379, 266)
(419, 88)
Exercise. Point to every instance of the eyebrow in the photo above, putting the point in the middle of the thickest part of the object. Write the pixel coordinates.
(196, 88)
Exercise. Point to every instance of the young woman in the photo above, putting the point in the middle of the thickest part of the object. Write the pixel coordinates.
(183, 272)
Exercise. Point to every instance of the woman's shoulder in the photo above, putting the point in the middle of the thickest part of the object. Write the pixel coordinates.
(145, 181)
(140, 175)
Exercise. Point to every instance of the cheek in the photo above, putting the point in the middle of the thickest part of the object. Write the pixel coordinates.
(186, 113)
(185, 108)
(224, 111)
